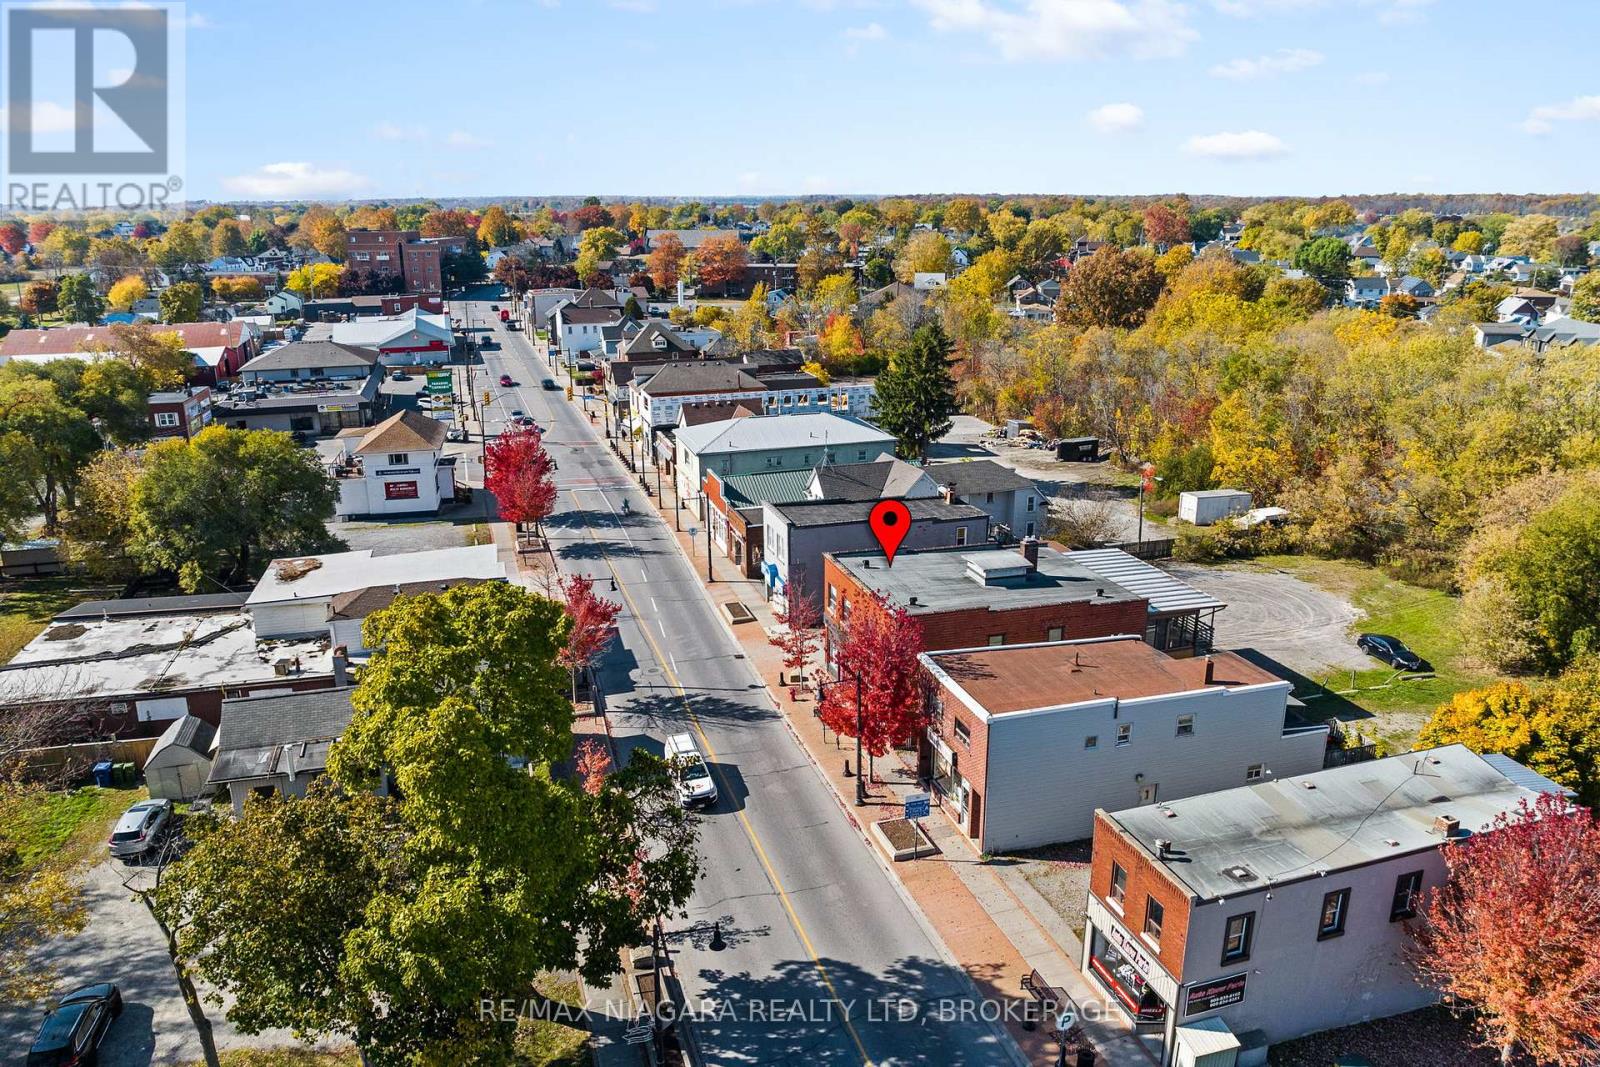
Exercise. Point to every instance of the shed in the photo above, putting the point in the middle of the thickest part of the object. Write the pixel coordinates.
(1206, 506)
(180, 762)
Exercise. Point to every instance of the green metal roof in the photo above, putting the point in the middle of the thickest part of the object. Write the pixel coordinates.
(778, 487)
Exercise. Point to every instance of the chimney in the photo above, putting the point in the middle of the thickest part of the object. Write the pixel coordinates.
(341, 666)
(1211, 671)
(1447, 825)
(1030, 552)
(947, 493)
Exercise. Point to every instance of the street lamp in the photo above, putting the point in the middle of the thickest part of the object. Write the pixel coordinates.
(861, 785)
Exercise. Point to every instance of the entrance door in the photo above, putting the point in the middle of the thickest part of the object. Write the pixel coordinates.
(1147, 794)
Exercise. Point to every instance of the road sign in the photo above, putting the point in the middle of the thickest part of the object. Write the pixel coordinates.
(638, 1035)
(917, 805)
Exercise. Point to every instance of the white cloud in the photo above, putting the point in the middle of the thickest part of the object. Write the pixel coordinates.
(1245, 144)
(637, 7)
(1283, 61)
(295, 181)
(463, 139)
(1116, 118)
(1251, 8)
(48, 117)
(394, 131)
(197, 21)
(1067, 29)
(1579, 109)
(872, 31)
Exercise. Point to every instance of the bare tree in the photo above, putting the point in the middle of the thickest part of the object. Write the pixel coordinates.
(1083, 522)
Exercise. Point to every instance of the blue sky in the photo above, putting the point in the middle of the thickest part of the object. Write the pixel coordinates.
(361, 98)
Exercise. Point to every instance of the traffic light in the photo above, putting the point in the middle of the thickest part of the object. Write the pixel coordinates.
(486, 398)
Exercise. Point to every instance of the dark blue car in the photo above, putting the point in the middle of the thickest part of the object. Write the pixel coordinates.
(70, 1035)
(1391, 650)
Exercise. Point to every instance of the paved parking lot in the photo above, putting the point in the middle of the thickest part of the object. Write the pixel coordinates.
(1305, 628)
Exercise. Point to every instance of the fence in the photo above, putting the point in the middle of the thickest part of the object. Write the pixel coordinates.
(1145, 550)
(74, 761)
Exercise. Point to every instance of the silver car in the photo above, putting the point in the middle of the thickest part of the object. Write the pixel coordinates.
(140, 828)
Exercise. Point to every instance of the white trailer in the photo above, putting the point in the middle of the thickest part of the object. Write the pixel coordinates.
(1206, 506)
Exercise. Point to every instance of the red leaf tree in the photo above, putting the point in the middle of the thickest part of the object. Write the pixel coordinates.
(517, 471)
(799, 638)
(721, 261)
(881, 644)
(593, 620)
(1515, 932)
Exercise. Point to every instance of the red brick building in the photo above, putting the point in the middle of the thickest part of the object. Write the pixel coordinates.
(180, 412)
(417, 260)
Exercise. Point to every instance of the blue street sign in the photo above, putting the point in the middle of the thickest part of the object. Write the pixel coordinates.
(917, 806)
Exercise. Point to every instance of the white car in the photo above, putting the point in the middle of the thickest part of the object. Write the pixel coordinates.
(140, 828)
(696, 788)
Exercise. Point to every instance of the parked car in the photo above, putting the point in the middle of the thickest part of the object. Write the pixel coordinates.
(1391, 650)
(695, 784)
(455, 433)
(517, 415)
(140, 827)
(505, 380)
(71, 1033)
(494, 307)
(549, 383)
(399, 376)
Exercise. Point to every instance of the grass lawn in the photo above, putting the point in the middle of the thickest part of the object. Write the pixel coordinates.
(293, 1056)
(541, 1043)
(27, 605)
(65, 827)
(1425, 619)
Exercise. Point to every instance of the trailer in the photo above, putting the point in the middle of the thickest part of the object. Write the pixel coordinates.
(1206, 506)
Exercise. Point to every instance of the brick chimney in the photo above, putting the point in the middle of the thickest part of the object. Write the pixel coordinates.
(341, 666)
(1211, 670)
(1030, 552)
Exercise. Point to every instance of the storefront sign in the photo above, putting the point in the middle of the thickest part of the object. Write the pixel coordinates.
(400, 490)
(389, 471)
(1129, 949)
(339, 407)
(1217, 993)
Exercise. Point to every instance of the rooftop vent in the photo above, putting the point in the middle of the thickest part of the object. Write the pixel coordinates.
(1240, 873)
(1308, 785)
(913, 601)
(1163, 846)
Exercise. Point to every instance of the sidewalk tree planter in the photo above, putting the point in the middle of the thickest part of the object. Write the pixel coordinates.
(593, 622)
(799, 637)
(903, 839)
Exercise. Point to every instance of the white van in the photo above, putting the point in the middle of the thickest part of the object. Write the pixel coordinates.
(695, 785)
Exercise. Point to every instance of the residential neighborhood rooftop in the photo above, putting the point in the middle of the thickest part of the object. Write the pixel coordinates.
(977, 476)
(286, 733)
(936, 580)
(878, 480)
(311, 355)
(840, 512)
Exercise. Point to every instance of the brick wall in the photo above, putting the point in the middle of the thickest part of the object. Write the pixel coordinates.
(972, 755)
(1146, 879)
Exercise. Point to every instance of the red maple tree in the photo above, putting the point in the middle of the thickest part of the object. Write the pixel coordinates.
(721, 261)
(12, 238)
(881, 645)
(593, 620)
(517, 471)
(1515, 931)
(594, 763)
(799, 637)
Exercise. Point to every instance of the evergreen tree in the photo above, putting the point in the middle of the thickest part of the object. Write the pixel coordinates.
(916, 395)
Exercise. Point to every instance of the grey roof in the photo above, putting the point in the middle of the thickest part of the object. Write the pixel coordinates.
(840, 512)
(285, 734)
(311, 355)
(937, 579)
(879, 480)
(760, 433)
(1524, 776)
(789, 380)
(644, 340)
(675, 379)
(978, 476)
(153, 605)
(188, 732)
(1165, 593)
(1287, 829)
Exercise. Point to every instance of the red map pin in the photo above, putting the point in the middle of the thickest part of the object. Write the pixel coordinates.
(890, 521)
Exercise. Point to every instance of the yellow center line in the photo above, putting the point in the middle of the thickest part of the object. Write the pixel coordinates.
(722, 785)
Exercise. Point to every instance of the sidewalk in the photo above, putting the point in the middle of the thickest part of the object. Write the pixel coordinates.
(991, 920)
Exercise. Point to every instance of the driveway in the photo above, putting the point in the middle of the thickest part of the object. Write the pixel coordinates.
(1305, 628)
(122, 944)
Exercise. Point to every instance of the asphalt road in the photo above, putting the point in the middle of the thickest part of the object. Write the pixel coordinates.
(825, 960)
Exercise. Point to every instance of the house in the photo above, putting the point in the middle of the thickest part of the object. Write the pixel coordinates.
(397, 467)
(1492, 334)
(180, 762)
(881, 479)
(277, 744)
(1366, 290)
(1562, 333)
(307, 361)
(1280, 906)
(1009, 499)
(313, 388)
(327, 596)
(179, 412)
(338, 308)
(285, 304)
(412, 338)
(576, 328)
(219, 348)
(767, 443)
(1028, 741)
(796, 538)
(129, 667)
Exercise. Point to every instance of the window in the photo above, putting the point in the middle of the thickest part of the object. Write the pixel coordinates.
(1236, 937)
(1334, 906)
(962, 731)
(1185, 725)
(1252, 773)
(861, 455)
(399, 459)
(996, 639)
(1119, 885)
(1407, 888)
(1030, 503)
(1092, 741)
(1028, 532)
(1154, 913)
(988, 498)
(833, 596)
(1124, 734)
(961, 535)
(166, 419)
(1055, 633)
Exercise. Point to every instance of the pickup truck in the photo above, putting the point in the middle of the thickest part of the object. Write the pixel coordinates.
(695, 785)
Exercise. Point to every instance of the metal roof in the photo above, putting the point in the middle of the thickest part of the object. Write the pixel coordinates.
(1524, 776)
(344, 572)
(937, 580)
(779, 487)
(1249, 838)
(763, 433)
(1165, 593)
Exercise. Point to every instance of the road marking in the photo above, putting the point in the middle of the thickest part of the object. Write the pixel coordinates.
(722, 785)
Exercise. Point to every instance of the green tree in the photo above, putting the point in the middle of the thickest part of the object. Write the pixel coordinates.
(464, 707)
(80, 300)
(916, 395)
(927, 252)
(60, 439)
(223, 503)
(183, 245)
(1586, 297)
(597, 245)
(228, 239)
(180, 302)
(1327, 259)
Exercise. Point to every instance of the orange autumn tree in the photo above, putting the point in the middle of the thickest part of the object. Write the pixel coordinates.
(1515, 932)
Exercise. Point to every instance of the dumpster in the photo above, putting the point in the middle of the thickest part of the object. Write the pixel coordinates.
(1078, 449)
(102, 774)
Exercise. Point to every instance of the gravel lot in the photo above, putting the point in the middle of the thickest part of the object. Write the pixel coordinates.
(1305, 628)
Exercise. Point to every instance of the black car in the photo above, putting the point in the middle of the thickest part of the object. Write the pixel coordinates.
(70, 1035)
(549, 383)
(1391, 650)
